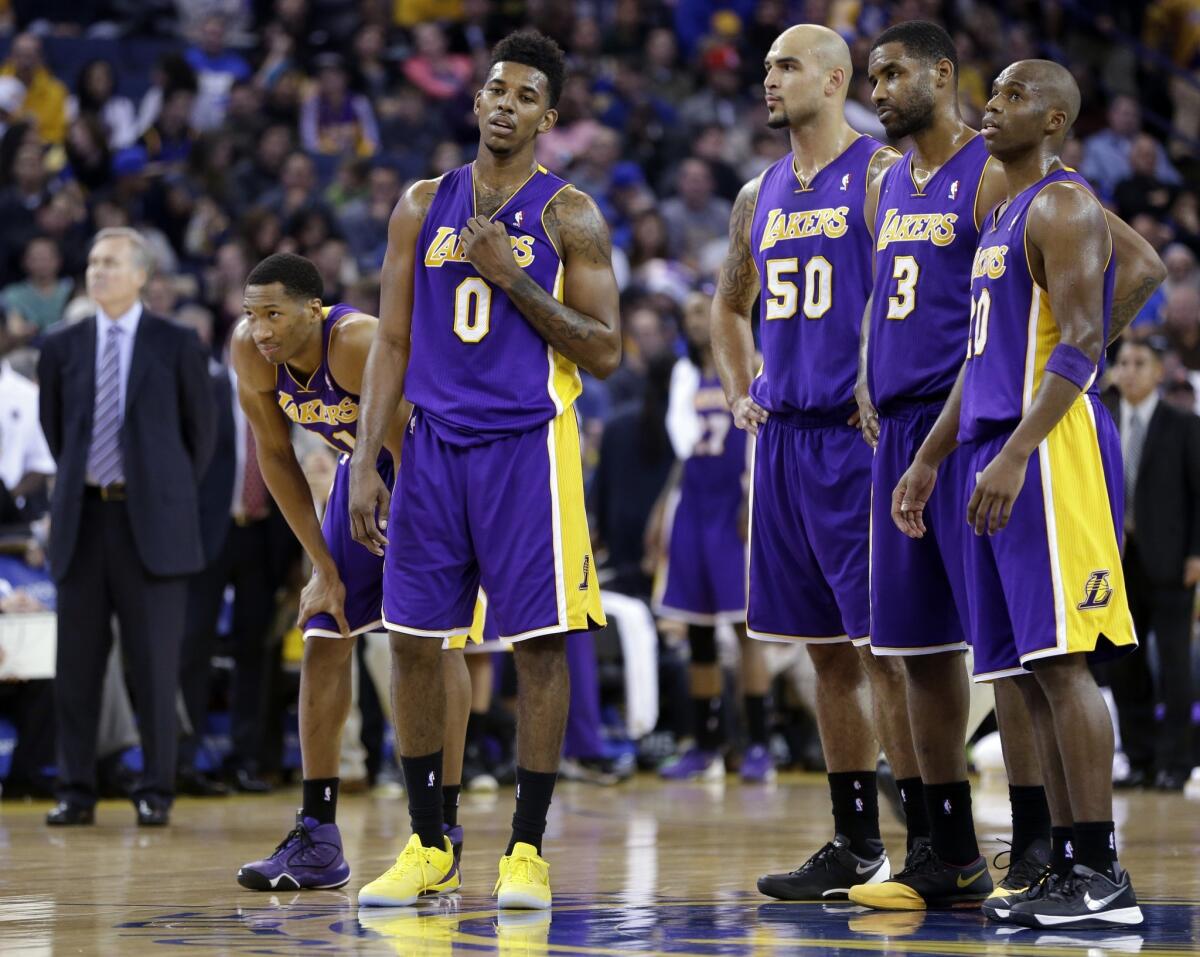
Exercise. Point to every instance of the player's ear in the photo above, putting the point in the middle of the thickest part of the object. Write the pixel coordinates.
(317, 309)
(1056, 122)
(945, 72)
(837, 79)
(475, 105)
(549, 118)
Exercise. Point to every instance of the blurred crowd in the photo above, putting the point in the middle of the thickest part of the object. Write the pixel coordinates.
(226, 130)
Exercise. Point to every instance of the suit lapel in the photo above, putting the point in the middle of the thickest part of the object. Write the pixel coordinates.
(142, 347)
(1154, 435)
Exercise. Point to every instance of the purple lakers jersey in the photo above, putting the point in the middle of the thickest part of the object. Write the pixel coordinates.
(320, 405)
(924, 241)
(719, 457)
(477, 365)
(813, 253)
(1012, 330)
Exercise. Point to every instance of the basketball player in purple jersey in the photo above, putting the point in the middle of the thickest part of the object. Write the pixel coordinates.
(926, 212)
(798, 235)
(701, 581)
(298, 361)
(497, 284)
(1046, 590)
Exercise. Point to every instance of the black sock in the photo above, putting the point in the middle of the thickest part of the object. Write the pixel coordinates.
(951, 824)
(1062, 850)
(450, 794)
(1096, 846)
(1030, 817)
(320, 799)
(916, 815)
(706, 721)
(423, 781)
(856, 810)
(756, 718)
(534, 790)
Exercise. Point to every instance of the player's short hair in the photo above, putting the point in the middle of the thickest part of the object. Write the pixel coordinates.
(299, 277)
(534, 49)
(923, 39)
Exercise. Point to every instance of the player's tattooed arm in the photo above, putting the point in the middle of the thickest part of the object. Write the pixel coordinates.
(1139, 272)
(586, 326)
(732, 333)
(867, 417)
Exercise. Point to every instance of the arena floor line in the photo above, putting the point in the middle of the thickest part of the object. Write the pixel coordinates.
(645, 868)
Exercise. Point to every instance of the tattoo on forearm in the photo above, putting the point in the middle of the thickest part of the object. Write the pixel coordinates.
(559, 324)
(739, 282)
(1126, 308)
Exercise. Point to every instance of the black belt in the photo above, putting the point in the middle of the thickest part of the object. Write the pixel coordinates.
(113, 492)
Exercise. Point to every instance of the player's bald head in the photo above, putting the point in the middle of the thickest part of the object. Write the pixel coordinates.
(1050, 81)
(809, 42)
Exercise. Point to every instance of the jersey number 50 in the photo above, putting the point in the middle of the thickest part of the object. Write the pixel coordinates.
(785, 295)
(472, 310)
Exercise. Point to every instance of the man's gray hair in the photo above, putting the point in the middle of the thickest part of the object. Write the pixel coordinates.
(142, 255)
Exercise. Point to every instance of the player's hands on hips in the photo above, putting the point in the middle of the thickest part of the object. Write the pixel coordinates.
(486, 244)
(369, 503)
(910, 497)
(867, 416)
(748, 415)
(324, 593)
(995, 492)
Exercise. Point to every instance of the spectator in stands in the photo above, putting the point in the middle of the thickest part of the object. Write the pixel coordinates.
(372, 69)
(1181, 325)
(695, 216)
(364, 223)
(89, 161)
(169, 142)
(96, 95)
(409, 130)
(721, 100)
(334, 121)
(1172, 27)
(646, 338)
(26, 464)
(1106, 154)
(12, 101)
(436, 72)
(35, 303)
(217, 69)
(45, 94)
(1161, 451)
(130, 447)
(171, 72)
(1142, 191)
(256, 175)
(297, 189)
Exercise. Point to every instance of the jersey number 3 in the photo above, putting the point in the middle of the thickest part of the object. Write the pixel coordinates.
(472, 310)
(785, 295)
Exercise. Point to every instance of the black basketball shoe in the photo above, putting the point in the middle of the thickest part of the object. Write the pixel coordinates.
(828, 875)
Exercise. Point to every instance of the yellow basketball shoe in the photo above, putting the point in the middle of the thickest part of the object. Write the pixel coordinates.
(524, 882)
(419, 871)
(927, 883)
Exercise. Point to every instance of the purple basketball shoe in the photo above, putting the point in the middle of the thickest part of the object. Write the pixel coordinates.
(310, 856)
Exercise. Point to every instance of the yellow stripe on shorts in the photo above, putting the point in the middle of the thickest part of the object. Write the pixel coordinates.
(578, 589)
(1089, 585)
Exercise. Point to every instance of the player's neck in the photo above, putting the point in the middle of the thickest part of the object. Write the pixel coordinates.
(503, 172)
(306, 360)
(1021, 172)
(819, 142)
(944, 137)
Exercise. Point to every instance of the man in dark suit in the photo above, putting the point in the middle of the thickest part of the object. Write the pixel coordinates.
(1160, 446)
(127, 411)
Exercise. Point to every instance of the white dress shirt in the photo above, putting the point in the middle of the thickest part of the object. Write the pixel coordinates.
(23, 447)
(1145, 411)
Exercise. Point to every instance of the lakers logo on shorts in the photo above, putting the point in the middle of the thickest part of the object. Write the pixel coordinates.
(1097, 592)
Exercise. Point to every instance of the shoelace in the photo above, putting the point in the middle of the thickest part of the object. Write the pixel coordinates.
(1064, 888)
(922, 860)
(410, 854)
(524, 869)
(298, 833)
(823, 858)
(1007, 850)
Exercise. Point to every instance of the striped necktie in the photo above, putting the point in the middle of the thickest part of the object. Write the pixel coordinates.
(1135, 442)
(105, 465)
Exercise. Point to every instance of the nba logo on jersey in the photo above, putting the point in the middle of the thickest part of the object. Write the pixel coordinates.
(845, 182)
(954, 190)
(517, 219)
(1097, 592)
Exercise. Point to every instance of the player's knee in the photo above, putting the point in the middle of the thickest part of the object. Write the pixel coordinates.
(880, 667)
(837, 664)
(328, 652)
(1063, 676)
(702, 639)
(540, 660)
(413, 651)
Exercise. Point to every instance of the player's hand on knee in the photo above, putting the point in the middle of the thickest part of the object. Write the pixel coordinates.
(995, 492)
(324, 593)
(866, 417)
(369, 503)
(910, 497)
(748, 415)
